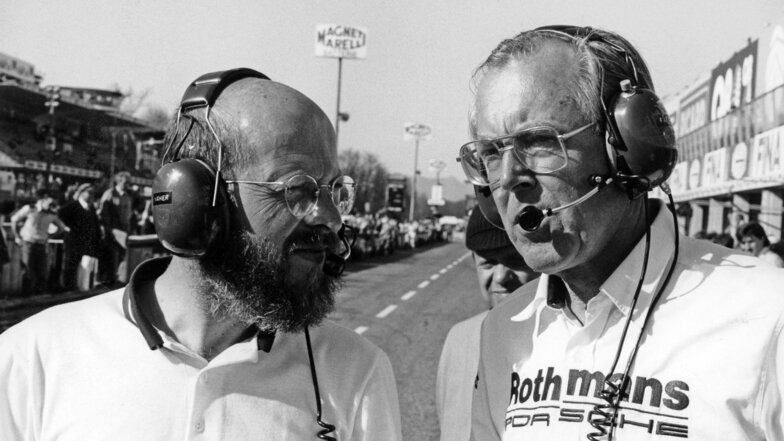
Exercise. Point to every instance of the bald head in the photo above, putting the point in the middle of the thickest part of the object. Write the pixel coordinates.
(262, 118)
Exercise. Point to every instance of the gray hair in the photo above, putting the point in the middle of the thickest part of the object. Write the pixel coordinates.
(599, 54)
(193, 139)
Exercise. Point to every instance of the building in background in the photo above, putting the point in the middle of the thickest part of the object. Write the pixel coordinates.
(730, 129)
(82, 137)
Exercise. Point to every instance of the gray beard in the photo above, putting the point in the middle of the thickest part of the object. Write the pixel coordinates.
(247, 280)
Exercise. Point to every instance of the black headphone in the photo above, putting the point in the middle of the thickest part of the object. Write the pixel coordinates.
(189, 199)
(640, 137)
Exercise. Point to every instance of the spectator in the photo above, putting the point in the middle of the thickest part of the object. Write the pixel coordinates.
(82, 245)
(724, 239)
(774, 254)
(705, 235)
(752, 238)
(500, 270)
(5, 255)
(117, 210)
(31, 232)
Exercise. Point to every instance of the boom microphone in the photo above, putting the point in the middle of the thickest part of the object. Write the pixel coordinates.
(531, 217)
(334, 264)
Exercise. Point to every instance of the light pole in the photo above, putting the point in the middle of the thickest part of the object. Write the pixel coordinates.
(414, 181)
(337, 112)
(415, 131)
(52, 102)
(436, 192)
(437, 166)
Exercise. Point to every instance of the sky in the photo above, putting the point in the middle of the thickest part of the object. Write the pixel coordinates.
(420, 54)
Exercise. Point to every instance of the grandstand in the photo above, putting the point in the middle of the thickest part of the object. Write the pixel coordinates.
(91, 139)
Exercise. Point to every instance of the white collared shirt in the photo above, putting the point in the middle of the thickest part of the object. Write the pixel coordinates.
(708, 367)
(82, 371)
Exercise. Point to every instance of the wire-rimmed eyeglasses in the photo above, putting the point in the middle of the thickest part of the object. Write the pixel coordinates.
(302, 191)
(540, 149)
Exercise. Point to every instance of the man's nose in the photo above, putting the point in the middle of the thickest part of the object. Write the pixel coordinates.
(501, 274)
(325, 213)
(514, 174)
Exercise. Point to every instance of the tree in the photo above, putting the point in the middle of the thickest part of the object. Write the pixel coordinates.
(157, 116)
(370, 175)
(132, 100)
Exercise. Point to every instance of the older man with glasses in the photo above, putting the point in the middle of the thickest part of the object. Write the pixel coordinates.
(633, 331)
(225, 339)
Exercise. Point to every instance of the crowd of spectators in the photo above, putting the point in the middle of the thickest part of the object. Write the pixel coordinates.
(91, 228)
(381, 234)
(93, 231)
(752, 238)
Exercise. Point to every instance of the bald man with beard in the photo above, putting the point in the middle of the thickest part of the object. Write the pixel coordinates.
(231, 344)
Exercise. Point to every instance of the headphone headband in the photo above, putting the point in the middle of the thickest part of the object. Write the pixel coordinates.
(203, 91)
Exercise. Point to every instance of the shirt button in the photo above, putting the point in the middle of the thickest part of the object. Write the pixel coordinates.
(199, 426)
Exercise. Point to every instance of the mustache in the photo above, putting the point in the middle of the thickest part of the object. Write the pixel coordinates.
(317, 238)
(322, 238)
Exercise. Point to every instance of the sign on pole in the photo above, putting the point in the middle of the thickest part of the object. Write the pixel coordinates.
(436, 196)
(437, 165)
(413, 130)
(341, 41)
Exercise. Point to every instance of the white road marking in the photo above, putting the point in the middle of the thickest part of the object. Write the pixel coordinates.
(361, 329)
(443, 271)
(434, 277)
(408, 295)
(423, 284)
(386, 311)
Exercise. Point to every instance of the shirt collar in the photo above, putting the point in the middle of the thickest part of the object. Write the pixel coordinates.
(619, 288)
(622, 283)
(150, 270)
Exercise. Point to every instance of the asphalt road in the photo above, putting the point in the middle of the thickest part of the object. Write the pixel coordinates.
(405, 304)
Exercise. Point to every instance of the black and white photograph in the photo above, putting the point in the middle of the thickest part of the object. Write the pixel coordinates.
(347, 220)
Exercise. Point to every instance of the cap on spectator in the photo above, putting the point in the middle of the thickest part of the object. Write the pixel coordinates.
(82, 188)
(481, 235)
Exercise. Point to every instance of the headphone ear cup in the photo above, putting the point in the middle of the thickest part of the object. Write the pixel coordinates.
(186, 222)
(644, 146)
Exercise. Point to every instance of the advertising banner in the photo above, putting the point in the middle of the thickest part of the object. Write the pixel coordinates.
(341, 41)
(395, 197)
(732, 82)
(767, 155)
(693, 108)
(770, 70)
(436, 196)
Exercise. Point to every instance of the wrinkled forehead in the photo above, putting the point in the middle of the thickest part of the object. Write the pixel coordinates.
(541, 79)
(280, 129)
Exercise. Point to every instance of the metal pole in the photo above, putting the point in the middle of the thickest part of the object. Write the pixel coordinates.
(414, 179)
(114, 148)
(337, 112)
(53, 140)
(52, 135)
